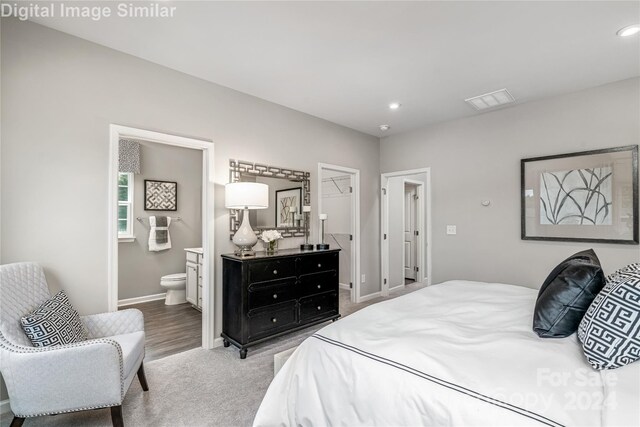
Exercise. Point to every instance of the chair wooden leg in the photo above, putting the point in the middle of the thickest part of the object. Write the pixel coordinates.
(116, 416)
(142, 378)
(17, 422)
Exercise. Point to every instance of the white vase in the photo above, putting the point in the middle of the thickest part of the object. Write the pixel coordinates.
(245, 238)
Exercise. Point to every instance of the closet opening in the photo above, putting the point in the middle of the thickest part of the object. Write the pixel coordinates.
(338, 199)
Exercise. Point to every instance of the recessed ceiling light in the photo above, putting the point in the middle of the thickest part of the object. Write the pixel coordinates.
(384, 127)
(395, 105)
(629, 30)
(491, 100)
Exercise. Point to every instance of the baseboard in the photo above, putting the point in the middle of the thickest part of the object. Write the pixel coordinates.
(4, 406)
(345, 286)
(217, 342)
(370, 297)
(139, 300)
(396, 288)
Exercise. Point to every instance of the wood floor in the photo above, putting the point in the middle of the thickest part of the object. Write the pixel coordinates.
(172, 329)
(169, 329)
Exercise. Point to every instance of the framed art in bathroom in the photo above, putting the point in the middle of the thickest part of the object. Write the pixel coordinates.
(160, 195)
(589, 196)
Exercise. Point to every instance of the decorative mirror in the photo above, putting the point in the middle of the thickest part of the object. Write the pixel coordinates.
(289, 191)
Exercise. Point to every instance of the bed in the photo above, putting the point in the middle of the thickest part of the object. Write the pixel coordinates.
(457, 353)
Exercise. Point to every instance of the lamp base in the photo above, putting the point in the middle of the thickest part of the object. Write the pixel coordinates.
(244, 252)
(306, 247)
(322, 246)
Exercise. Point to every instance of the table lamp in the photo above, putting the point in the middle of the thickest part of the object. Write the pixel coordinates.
(306, 246)
(245, 196)
(322, 244)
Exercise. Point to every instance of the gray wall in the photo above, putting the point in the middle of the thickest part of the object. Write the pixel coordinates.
(139, 270)
(59, 95)
(479, 158)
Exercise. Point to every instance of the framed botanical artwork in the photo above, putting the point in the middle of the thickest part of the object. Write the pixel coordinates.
(160, 195)
(590, 196)
(285, 201)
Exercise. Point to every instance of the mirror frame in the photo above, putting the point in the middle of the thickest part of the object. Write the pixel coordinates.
(239, 167)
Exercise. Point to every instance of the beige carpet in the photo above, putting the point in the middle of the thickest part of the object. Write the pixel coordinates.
(200, 387)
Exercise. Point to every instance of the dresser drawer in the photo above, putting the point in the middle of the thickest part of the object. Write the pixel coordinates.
(271, 270)
(261, 295)
(318, 283)
(318, 306)
(317, 263)
(270, 320)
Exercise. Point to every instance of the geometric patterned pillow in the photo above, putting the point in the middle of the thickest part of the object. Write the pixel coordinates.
(610, 330)
(55, 322)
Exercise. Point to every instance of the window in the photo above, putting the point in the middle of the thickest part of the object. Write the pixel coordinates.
(125, 205)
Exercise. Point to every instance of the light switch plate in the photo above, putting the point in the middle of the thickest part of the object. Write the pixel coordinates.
(363, 278)
(451, 229)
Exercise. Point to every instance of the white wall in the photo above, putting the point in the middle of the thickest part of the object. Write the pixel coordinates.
(338, 210)
(139, 270)
(479, 158)
(60, 93)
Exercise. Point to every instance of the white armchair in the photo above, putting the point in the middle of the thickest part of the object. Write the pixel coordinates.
(74, 377)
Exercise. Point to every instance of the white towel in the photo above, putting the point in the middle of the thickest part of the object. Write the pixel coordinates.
(154, 246)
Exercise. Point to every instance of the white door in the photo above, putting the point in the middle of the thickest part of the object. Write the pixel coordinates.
(410, 196)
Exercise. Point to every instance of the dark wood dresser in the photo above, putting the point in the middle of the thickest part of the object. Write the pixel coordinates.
(265, 296)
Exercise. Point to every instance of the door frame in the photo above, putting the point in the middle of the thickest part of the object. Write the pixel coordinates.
(424, 210)
(355, 220)
(116, 132)
(419, 228)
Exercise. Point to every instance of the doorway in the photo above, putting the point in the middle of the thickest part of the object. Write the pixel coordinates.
(339, 200)
(411, 230)
(204, 223)
(405, 229)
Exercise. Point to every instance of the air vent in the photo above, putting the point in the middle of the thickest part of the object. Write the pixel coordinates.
(491, 100)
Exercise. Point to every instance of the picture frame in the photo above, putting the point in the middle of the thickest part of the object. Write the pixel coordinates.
(284, 200)
(588, 196)
(160, 195)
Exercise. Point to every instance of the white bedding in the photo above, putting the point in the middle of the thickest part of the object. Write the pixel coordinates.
(458, 353)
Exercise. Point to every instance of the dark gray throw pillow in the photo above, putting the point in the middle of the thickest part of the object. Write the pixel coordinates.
(55, 322)
(610, 331)
(566, 294)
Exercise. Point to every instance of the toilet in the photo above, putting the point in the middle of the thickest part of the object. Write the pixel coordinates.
(175, 285)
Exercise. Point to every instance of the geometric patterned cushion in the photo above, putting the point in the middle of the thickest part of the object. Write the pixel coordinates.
(610, 330)
(55, 322)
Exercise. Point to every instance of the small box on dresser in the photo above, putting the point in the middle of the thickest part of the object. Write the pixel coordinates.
(268, 295)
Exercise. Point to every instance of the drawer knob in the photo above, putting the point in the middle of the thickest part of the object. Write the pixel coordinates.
(275, 271)
(319, 265)
(319, 308)
(274, 320)
(275, 296)
(319, 286)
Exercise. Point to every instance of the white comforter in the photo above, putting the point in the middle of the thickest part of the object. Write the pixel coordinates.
(458, 353)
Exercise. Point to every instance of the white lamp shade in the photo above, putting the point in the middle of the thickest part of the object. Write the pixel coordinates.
(246, 195)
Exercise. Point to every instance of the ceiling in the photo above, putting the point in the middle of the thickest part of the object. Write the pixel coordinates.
(346, 61)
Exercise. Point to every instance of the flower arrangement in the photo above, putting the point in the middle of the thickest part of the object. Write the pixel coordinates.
(270, 238)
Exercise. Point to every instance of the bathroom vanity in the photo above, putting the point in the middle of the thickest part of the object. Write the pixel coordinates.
(194, 276)
(265, 296)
